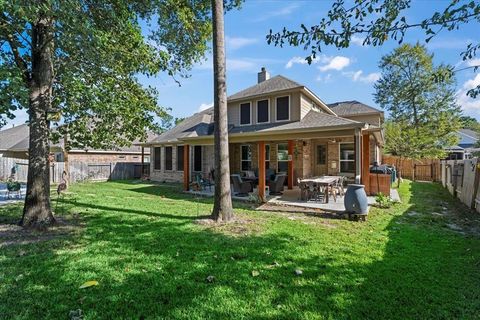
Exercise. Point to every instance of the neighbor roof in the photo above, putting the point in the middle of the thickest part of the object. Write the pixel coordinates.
(277, 83)
(351, 108)
(17, 139)
(467, 137)
(200, 124)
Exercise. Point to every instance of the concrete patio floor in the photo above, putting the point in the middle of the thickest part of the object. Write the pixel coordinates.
(291, 198)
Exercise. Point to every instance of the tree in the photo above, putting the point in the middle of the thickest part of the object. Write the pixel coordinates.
(470, 123)
(424, 116)
(378, 21)
(222, 207)
(76, 61)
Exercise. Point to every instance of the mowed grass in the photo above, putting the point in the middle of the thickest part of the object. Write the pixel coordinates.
(142, 244)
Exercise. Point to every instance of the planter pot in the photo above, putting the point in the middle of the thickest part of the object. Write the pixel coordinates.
(356, 199)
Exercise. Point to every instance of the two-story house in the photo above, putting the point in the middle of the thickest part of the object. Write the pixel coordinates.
(278, 124)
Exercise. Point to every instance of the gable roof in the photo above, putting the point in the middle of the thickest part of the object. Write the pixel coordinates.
(467, 137)
(352, 108)
(277, 83)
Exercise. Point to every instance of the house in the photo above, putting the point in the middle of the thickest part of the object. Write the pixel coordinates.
(14, 143)
(275, 124)
(465, 147)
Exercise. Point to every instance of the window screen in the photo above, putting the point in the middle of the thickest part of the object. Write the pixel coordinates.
(179, 158)
(262, 111)
(283, 108)
(168, 158)
(157, 152)
(197, 158)
(245, 113)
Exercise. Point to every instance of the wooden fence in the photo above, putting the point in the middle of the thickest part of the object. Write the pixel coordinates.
(417, 170)
(462, 179)
(78, 171)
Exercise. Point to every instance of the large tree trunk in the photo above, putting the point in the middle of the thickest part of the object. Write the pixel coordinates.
(223, 201)
(37, 211)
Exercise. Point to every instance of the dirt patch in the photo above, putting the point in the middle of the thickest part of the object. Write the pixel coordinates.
(238, 226)
(12, 234)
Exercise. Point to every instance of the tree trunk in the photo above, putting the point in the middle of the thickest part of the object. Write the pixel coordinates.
(222, 208)
(37, 211)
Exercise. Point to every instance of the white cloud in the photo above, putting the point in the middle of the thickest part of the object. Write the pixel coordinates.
(325, 79)
(470, 105)
(302, 60)
(358, 76)
(235, 43)
(473, 62)
(336, 63)
(205, 106)
(241, 65)
(284, 11)
(357, 40)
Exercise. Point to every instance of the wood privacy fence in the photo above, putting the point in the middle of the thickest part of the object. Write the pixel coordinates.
(78, 171)
(462, 179)
(417, 170)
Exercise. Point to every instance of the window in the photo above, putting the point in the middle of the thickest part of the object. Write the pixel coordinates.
(157, 152)
(168, 158)
(262, 111)
(282, 157)
(246, 158)
(283, 108)
(347, 157)
(197, 158)
(267, 156)
(321, 154)
(245, 113)
(179, 158)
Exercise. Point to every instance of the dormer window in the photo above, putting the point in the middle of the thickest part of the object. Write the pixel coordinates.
(263, 112)
(245, 113)
(283, 108)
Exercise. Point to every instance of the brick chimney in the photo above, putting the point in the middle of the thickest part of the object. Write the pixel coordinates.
(263, 75)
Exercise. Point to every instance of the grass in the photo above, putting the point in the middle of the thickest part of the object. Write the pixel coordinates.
(141, 243)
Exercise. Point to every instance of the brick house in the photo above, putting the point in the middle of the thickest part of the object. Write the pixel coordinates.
(276, 124)
(14, 143)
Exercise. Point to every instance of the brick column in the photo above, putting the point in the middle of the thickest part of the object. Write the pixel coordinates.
(366, 162)
(261, 170)
(290, 164)
(186, 167)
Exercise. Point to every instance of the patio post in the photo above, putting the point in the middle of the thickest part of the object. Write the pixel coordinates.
(261, 171)
(366, 162)
(186, 167)
(290, 164)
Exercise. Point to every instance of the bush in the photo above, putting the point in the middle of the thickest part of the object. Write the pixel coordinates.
(384, 201)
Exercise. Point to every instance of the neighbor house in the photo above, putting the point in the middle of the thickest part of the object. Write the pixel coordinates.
(276, 124)
(14, 143)
(466, 146)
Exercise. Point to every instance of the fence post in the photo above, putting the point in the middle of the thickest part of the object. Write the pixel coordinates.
(476, 181)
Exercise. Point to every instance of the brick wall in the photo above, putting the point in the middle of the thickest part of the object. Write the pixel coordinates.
(103, 157)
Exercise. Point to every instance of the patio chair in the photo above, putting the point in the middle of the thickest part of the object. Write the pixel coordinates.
(240, 187)
(304, 189)
(276, 185)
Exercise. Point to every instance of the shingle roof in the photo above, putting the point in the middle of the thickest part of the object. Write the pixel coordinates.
(351, 108)
(312, 119)
(467, 137)
(200, 124)
(17, 139)
(277, 83)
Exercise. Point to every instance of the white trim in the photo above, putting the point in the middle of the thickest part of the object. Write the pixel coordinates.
(240, 113)
(268, 109)
(241, 154)
(289, 108)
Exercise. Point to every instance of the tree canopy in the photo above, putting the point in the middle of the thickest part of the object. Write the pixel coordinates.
(424, 116)
(377, 21)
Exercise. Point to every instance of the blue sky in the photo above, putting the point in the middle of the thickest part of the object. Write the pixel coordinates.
(338, 75)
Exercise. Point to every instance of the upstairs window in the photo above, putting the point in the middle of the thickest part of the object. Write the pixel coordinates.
(245, 113)
(168, 158)
(157, 152)
(283, 108)
(263, 111)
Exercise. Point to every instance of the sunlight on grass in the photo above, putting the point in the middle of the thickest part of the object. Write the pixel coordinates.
(150, 258)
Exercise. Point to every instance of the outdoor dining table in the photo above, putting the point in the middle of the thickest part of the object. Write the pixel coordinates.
(326, 181)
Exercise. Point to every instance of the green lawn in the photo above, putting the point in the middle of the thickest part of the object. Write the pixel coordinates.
(151, 259)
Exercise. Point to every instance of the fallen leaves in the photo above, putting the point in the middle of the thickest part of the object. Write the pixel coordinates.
(89, 284)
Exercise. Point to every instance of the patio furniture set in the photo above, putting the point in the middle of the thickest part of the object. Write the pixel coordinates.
(321, 188)
(242, 186)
